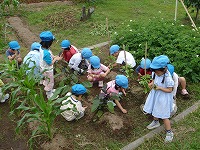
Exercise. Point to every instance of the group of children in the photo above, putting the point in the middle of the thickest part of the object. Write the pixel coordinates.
(163, 85)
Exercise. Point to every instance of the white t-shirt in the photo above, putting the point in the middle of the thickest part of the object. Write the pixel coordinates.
(75, 61)
(72, 105)
(129, 58)
(175, 78)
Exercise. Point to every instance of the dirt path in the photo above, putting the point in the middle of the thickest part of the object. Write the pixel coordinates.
(22, 31)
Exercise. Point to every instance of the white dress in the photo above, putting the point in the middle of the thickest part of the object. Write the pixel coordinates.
(160, 103)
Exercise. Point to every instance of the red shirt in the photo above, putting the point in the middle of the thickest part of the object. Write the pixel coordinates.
(67, 54)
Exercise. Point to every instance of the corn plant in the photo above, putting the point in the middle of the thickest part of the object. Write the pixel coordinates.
(43, 112)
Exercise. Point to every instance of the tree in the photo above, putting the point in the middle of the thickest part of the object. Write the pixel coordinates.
(194, 4)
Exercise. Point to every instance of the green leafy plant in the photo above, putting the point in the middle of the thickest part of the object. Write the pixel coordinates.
(178, 42)
(128, 71)
(144, 81)
(104, 102)
(7, 6)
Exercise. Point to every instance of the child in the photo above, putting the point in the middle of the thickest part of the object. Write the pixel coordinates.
(177, 81)
(122, 57)
(68, 50)
(13, 53)
(160, 99)
(116, 86)
(33, 58)
(79, 61)
(97, 71)
(3, 98)
(73, 106)
(47, 59)
(141, 68)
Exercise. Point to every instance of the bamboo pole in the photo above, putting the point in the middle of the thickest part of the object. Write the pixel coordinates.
(175, 16)
(145, 57)
(108, 33)
(189, 15)
(125, 56)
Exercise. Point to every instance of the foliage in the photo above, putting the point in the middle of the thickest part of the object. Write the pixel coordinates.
(6, 7)
(195, 4)
(104, 101)
(26, 101)
(176, 41)
(128, 71)
(144, 81)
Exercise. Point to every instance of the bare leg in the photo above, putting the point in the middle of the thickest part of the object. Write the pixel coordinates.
(167, 124)
(182, 81)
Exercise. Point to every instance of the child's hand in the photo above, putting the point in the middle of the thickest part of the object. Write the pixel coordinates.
(103, 75)
(123, 91)
(124, 110)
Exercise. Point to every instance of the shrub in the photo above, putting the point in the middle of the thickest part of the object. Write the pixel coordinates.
(178, 42)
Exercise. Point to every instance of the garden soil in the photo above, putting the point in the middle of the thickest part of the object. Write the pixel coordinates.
(117, 127)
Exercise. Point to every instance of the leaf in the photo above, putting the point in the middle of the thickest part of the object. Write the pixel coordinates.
(95, 104)
(110, 107)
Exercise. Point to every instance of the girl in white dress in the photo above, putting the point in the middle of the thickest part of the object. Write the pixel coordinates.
(160, 100)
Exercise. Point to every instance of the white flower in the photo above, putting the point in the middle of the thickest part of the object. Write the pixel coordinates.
(131, 20)
(159, 11)
(78, 135)
(172, 24)
(131, 30)
(140, 45)
(115, 33)
(193, 29)
(194, 37)
(197, 55)
(128, 25)
(182, 25)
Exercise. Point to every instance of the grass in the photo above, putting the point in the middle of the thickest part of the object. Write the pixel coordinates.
(187, 133)
(93, 31)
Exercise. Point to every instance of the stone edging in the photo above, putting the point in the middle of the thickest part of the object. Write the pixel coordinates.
(152, 133)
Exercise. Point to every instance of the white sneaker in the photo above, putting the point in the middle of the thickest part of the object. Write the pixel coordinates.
(6, 97)
(101, 84)
(169, 137)
(153, 124)
(142, 107)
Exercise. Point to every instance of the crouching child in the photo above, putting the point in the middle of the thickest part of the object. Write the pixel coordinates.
(72, 105)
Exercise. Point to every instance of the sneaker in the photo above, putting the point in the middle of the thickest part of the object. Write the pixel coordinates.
(153, 124)
(169, 137)
(184, 92)
(101, 84)
(6, 97)
(142, 107)
(53, 90)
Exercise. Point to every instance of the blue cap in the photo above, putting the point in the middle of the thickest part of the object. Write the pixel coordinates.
(170, 68)
(86, 53)
(122, 81)
(14, 45)
(95, 62)
(65, 44)
(46, 36)
(114, 49)
(148, 63)
(35, 46)
(159, 62)
(78, 89)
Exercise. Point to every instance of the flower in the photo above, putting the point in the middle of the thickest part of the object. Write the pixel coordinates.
(159, 11)
(197, 55)
(182, 25)
(131, 30)
(131, 20)
(115, 33)
(140, 45)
